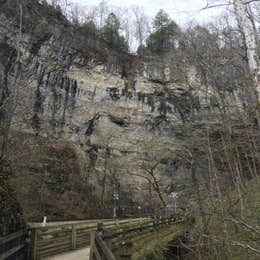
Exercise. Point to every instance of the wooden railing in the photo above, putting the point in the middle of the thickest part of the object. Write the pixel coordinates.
(13, 246)
(60, 238)
(99, 248)
(106, 241)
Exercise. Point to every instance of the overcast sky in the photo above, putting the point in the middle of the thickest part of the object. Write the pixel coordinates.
(182, 11)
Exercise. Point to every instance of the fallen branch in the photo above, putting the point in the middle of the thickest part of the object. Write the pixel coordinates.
(245, 246)
(235, 243)
(238, 222)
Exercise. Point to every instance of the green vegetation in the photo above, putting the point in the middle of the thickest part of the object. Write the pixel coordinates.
(89, 28)
(54, 7)
(151, 246)
(165, 32)
(110, 32)
(238, 232)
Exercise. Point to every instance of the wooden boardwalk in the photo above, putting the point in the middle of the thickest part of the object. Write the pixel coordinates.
(61, 237)
(71, 240)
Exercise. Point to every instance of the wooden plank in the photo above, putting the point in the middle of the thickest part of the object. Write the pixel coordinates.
(33, 244)
(121, 232)
(74, 237)
(52, 240)
(96, 254)
(53, 233)
(107, 252)
(12, 252)
(92, 244)
(119, 239)
(83, 231)
(12, 236)
(80, 245)
(66, 247)
(82, 223)
(84, 240)
(84, 235)
(54, 251)
(49, 250)
(55, 244)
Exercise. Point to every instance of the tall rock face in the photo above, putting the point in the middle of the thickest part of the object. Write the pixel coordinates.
(83, 121)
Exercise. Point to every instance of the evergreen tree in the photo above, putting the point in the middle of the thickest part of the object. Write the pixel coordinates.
(111, 32)
(165, 32)
(89, 27)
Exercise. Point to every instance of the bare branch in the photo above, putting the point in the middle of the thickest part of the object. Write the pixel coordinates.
(208, 6)
(245, 246)
(240, 222)
(250, 1)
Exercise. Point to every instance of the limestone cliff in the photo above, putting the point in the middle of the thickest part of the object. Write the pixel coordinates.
(88, 119)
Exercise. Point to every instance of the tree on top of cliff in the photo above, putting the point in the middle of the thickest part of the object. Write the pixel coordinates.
(165, 32)
(89, 27)
(110, 32)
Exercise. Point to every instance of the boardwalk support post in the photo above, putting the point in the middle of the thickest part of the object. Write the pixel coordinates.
(74, 237)
(92, 245)
(33, 248)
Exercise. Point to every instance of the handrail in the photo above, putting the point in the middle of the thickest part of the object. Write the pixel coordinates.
(92, 223)
(105, 250)
(5, 239)
(101, 240)
(11, 245)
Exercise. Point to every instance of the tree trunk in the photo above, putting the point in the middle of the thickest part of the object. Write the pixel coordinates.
(157, 189)
(247, 30)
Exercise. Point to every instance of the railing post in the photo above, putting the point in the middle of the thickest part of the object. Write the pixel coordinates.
(18, 241)
(74, 236)
(156, 223)
(108, 238)
(92, 245)
(126, 250)
(100, 228)
(140, 227)
(33, 247)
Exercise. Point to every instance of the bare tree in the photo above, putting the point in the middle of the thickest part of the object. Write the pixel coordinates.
(141, 22)
(151, 160)
(247, 29)
(102, 9)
